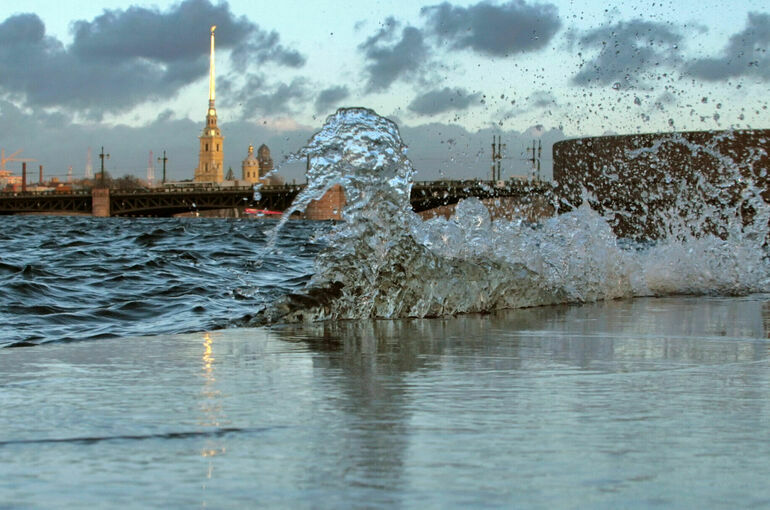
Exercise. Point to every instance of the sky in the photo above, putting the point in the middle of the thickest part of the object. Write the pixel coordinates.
(132, 76)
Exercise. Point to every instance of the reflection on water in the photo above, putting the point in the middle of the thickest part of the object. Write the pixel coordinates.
(212, 416)
(616, 404)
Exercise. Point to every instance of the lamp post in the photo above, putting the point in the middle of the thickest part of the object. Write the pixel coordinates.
(163, 159)
(102, 155)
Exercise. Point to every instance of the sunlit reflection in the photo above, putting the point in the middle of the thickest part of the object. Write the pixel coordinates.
(213, 452)
(210, 403)
(211, 408)
(207, 357)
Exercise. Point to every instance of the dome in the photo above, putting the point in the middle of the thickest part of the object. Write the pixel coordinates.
(250, 159)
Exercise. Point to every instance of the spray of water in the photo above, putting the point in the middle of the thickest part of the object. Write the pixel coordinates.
(383, 261)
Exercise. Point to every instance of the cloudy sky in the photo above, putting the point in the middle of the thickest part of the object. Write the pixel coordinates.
(132, 77)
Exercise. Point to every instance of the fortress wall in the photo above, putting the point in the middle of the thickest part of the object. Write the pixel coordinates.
(641, 175)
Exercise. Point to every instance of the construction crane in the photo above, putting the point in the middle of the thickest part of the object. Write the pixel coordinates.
(12, 157)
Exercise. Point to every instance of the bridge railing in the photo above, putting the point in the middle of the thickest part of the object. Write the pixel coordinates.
(211, 188)
(8, 194)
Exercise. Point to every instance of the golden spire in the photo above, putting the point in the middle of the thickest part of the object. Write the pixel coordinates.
(212, 91)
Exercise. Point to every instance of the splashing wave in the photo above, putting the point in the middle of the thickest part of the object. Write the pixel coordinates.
(383, 261)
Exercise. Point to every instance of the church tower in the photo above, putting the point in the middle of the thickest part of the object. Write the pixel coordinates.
(250, 167)
(265, 161)
(211, 157)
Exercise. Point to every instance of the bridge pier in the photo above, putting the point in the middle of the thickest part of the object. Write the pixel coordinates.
(329, 207)
(100, 202)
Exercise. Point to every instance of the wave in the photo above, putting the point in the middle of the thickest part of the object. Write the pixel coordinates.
(383, 261)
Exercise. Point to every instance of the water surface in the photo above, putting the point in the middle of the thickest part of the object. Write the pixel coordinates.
(631, 403)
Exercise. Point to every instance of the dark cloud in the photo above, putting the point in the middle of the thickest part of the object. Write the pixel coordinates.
(390, 59)
(542, 99)
(258, 98)
(178, 34)
(125, 57)
(746, 54)
(330, 98)
(264, 47)
(497, 30)
(443, 100)
(627, 50)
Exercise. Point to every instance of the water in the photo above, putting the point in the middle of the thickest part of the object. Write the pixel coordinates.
(462, 362)
(82, 278)
(618, 404)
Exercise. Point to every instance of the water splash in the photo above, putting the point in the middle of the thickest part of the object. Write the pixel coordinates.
(383, 261)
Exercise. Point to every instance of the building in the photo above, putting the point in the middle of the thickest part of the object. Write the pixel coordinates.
(265, 161)
(211, 156)
(256, 168)
(250, 167)
(7, 179)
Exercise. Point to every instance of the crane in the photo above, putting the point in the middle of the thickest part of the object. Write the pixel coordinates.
(12, 157)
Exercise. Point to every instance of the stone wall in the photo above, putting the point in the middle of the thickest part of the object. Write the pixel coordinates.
(100, 202)
(329, 207)
(637, 177)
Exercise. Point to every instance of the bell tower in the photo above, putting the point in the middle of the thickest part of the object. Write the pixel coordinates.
(211, 156)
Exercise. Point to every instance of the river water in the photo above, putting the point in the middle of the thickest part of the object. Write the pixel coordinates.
(382, 361)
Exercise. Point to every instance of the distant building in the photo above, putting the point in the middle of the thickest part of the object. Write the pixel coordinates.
(265, 161)
(211, 156)
(7, 179)
(255, 168)
(250, 167)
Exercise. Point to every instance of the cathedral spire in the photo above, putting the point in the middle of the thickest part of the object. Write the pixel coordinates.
(212, 84)
(211, 155)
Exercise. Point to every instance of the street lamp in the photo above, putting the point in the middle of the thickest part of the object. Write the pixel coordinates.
(102, 155)
(163, 159)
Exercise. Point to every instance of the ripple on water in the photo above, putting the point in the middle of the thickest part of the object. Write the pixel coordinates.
(70, 279)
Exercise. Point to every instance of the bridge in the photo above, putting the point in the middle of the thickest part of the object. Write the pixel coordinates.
(177, 199)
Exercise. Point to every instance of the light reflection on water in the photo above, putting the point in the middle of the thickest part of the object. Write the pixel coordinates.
(212, 409)
(626, 403)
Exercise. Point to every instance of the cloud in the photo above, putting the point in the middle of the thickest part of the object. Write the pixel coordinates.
(263, 47)
(390, 59)
(542, 99)
(278, 99)
(330, 98)
(125, 57)
(443, 100)
(495, 30)
(179, 34)
(626, 50)
(746, 53)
